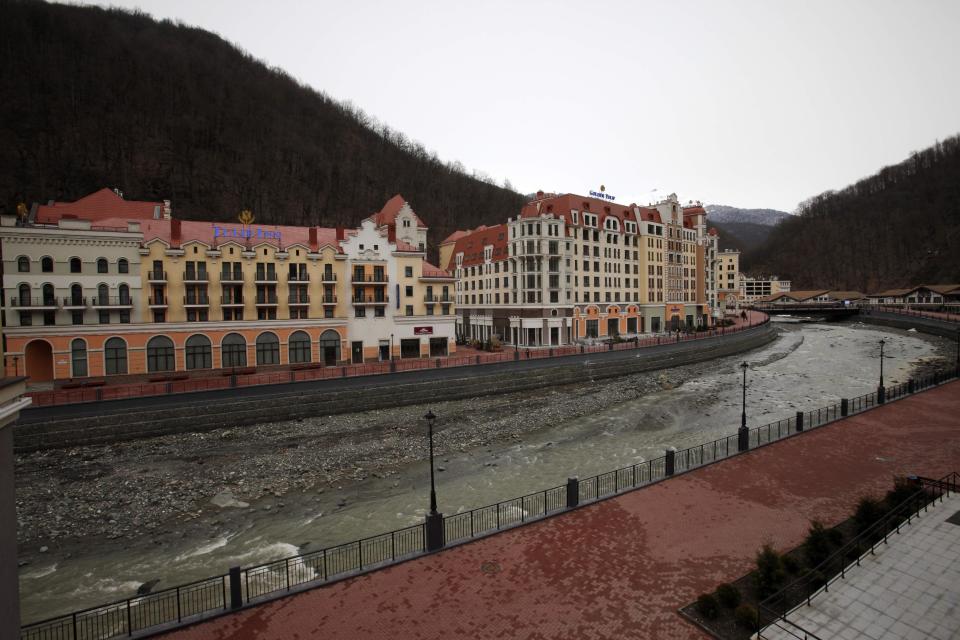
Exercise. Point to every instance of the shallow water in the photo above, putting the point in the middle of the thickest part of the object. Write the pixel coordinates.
(808, 366)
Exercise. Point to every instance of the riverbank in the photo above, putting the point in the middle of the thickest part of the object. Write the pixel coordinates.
(113, 517)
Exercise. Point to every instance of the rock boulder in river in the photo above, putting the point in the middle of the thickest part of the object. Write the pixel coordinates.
(226, 499)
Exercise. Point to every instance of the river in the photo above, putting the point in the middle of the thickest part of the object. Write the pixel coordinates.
(808, 366)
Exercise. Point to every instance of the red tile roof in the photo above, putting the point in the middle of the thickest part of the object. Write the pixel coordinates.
(431, 271)
(388, 215)
(561, 205)
(98, 206)
(453, 237)
(472, 243)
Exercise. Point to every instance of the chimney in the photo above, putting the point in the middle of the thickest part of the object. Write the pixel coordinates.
(340, 234)
(175, 233)
(314, 244)
(167, 211)
(392, 234)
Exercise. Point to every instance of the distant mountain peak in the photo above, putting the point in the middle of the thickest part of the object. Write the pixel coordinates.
(726, 214)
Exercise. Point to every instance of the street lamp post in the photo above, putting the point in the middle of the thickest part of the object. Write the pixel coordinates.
(743, 435)
(434, 524)
(881, 390)
(957, 361)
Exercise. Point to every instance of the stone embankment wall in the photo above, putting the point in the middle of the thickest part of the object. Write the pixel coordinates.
(898, 321)
(183, 413)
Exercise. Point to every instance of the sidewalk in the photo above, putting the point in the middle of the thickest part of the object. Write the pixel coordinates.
(621, 568)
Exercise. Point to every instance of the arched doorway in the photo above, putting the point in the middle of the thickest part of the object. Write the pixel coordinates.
(330, 347)
(39, 361)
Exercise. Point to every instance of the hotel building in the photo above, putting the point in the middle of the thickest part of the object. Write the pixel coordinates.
(728, 278)
(570, 267)
(752, 288)
(109, 287)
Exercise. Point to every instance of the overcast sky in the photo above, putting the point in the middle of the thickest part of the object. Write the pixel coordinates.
(752, 104)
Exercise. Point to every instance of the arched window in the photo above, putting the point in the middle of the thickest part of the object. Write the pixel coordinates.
(103, 294)
(76, 266)
(76, 295)
(115, 356)
(23, 291)
(102, 266)
(233, 351)
(299, 347)
(23, 264)
(330, 347)
(124, 292)
(78, 358)
(49, 298)
(199, 353)
(46, 264)
(123, 266)
(268, 348)
(160, 355)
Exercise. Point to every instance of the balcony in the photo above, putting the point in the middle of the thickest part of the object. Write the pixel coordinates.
(196, 301)
(231, 302)
(298, 301)
(432, 299)
(329, 299)
(379, 278)
(227, 277)
(73, 304)
(157, 302)
(328, 277)
(159, 277)
(115, 302)
(370, 300)
(266, 301)
(265, 278)
(40, 304)
(298, 277)
(194, 276)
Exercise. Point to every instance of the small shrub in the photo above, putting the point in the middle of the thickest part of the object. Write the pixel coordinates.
(868, 512)
(791, 564)
(707, 605)
(770, 573)
(835, 536)
(817, 580)
(746, 616)
(902, 490)
(728, 595)
(817, 546)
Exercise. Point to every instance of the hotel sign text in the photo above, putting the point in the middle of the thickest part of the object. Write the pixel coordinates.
(245, 233)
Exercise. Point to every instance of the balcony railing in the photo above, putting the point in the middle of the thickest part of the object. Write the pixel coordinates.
(265, 277)
(226, 276)
(195, 276)
(304, 299)
(74, 303)
(196, 301)
(108, 301)
(328, 277)
(266, 300)
(232, 302)
(156, 276)
(298, 277)
(379, 278)
(430, 299)
(329, 299)
(35, 303)
(157, 301)
(370, 299)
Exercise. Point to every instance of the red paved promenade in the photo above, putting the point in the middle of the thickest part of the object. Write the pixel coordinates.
(621, 568)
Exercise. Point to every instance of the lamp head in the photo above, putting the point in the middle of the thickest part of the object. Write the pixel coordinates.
(430, 417)
(744, 366)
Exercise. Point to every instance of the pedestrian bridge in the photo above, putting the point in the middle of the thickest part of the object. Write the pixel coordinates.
(829, 311)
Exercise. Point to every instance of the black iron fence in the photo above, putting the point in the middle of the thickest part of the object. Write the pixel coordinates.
(241, 586)
(774, 610)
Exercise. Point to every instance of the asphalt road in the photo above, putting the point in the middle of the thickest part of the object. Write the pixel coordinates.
(276, 392)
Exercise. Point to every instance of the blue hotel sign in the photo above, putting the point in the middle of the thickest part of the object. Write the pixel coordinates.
(246, 233)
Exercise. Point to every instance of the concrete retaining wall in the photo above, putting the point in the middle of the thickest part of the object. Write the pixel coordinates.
(375, 393)
(926, 325)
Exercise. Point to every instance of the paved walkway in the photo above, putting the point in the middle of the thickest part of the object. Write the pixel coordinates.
(910, 588)
(621, 568)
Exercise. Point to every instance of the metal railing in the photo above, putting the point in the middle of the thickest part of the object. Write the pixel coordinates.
(17, 301)
(773, 611)
(167, 607)
(111, 301)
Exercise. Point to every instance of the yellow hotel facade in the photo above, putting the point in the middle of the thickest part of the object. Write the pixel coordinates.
(104, 287)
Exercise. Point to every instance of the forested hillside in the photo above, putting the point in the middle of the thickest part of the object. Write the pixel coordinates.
(898, 227)
(93, 98)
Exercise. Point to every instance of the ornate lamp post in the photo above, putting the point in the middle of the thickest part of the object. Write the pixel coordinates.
(743, 435)
(958, 353)
(434, 525)
(881, 390)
